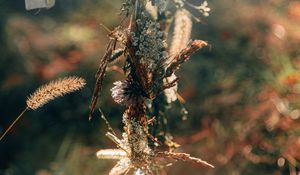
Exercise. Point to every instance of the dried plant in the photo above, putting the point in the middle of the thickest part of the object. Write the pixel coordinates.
(53, 90)
(182, 31)
(181, 37)
(149, 71)
(49, 92)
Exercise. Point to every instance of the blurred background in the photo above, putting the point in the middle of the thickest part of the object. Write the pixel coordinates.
(242, 93)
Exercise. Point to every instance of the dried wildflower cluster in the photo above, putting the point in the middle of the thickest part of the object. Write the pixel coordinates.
(150, 82)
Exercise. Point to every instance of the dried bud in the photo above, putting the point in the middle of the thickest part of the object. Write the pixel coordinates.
(171, 93)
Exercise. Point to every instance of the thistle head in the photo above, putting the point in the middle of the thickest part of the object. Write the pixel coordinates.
(126, 92)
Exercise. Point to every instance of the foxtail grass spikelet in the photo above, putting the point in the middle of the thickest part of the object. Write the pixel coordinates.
(111, 154)
(53, 90)
(182, 31)
(47, 93)
(180, 39)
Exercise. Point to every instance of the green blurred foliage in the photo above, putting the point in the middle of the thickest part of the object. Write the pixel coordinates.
(242, 92)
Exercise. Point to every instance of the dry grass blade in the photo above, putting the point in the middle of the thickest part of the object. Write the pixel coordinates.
(100, 75)
(53, 90)
(184, 55)
(184, 157)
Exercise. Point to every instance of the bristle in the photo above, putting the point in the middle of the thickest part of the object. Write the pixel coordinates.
(53, 90)
(182, 31)
(184, 157)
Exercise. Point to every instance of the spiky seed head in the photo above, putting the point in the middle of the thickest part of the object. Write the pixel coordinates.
(54, 89)
(126, 92)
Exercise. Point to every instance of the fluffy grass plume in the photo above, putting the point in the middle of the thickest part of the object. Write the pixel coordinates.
(53, 90)
(182, 31)
(111, 154)
(180, 39)
(47, 93)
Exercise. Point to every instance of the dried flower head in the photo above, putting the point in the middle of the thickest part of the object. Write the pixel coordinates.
(53, 90)
(126, 92)
(149, 42)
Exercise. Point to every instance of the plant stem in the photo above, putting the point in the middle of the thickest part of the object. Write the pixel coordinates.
(15, 121)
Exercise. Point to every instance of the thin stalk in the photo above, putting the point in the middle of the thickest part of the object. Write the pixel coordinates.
(11, 125)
